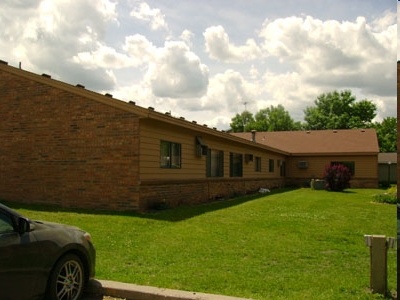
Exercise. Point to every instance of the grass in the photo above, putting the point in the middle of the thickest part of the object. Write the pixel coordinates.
(296, 244)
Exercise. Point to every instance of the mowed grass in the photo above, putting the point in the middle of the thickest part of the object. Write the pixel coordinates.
(294, 244)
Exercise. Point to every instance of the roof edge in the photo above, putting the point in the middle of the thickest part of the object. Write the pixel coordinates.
(131, 106)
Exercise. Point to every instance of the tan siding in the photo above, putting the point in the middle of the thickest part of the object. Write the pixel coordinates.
(365, 166)
(152, 133)
(193, 167)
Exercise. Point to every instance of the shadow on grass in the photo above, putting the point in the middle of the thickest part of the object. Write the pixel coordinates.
(171, 215)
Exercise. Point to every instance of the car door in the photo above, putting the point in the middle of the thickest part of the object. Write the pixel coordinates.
(17, 261)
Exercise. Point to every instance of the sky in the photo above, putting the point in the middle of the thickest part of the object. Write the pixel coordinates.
(208, 60)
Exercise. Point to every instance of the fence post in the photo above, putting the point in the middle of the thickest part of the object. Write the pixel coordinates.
(378, 246)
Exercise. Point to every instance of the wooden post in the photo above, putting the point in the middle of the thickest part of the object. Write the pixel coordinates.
(378, 253)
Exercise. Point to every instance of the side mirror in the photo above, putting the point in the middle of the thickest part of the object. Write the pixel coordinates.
(23, 225)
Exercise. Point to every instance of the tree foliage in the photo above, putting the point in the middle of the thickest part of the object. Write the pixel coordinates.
(339, 110)
(334, 110)
(387, 134)
(267, 119)
(240, 121)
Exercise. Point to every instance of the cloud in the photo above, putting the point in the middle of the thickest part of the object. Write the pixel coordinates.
(289, 90)
(103, 57)
(187, 37)
(48, 34)
(290, 62)
(219, 47)
(139, 48)
(177, 72)
(398, 36)
(154, 16)
(336, 54)
(228, 91)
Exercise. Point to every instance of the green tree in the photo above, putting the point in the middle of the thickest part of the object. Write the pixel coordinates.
(387, 134)
(339, 110)
(274, 119)
(240, 121)
(266, 119)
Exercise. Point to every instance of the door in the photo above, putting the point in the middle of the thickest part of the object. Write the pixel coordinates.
(18, 257)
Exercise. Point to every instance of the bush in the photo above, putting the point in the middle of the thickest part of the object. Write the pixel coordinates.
(337, 177)
(390, 196)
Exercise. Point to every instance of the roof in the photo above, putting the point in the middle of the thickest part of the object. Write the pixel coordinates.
(384, 158)
(323, 142)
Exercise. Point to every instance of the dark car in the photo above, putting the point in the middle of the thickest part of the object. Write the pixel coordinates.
(43, 260)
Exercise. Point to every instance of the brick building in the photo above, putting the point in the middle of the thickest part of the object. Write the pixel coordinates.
(64, 145)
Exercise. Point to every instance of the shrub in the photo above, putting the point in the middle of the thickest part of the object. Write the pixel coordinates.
(390, 196)
(337, 177)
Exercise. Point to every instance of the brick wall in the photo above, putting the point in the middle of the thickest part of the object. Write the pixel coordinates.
(60, 148)
(175, 193)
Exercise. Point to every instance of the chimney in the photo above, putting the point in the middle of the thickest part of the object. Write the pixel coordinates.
(253, 135)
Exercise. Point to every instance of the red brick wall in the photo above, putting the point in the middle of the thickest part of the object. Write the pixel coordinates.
(59, 148)
(175, 193)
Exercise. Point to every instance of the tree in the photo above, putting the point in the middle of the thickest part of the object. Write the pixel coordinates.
(240, 121)
(387, 134)
(339, 110)
(266, 119)
(274, 119)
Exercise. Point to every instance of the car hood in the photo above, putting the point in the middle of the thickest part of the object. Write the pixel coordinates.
(38, 224)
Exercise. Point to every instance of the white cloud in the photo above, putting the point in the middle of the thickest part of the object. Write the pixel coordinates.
(48, 34)
(398, 36)
(289, 90)
(219, 47)
(228, 91)
(177, 72)
(152, 15)
(330, 53)
(139, 48)
(103, 57)
(102, 45)
(187, 37)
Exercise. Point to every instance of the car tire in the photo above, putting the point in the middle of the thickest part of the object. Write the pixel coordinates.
(67, 279)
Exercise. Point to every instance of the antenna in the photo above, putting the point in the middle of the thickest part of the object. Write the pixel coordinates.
(245, 105)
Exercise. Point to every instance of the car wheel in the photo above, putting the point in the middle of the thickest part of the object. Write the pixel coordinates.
(67, 279)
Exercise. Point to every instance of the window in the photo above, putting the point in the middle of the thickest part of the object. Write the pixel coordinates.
(271, 166)
(236, 165)
(349, 164)
(5, 223)
(257, 164)
(170, 155)
(215, 163)
(302, 164)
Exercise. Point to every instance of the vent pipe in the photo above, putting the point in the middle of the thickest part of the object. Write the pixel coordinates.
(253, 135)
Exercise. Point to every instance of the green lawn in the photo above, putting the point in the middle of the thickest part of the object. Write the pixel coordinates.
(295, 244)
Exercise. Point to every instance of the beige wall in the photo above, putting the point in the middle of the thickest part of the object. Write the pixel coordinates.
(366, 168)
(194, 167)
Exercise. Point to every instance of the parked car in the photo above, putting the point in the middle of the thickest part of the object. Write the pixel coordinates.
(43, 260)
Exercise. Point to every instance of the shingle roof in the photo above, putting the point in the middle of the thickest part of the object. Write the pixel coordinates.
(324, 142)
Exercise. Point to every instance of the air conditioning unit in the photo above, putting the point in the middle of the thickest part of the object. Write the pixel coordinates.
(302, 164)
(201, 147)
